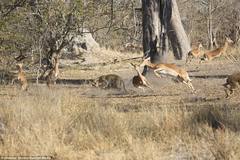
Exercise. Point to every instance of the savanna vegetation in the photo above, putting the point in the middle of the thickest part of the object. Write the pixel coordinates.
(74, 119)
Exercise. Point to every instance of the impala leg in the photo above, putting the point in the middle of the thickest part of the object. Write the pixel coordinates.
(233, 57)
(231, 89)
(227, 57)
(157, 74)
(147, 83)
(226, 92)
(13, 81)
(189, 59)
(149, 87)
(142, 88)
(189, 84)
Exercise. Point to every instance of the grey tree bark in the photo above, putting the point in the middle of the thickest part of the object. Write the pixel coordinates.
(151, 29)
(177, 36)
(210, 26)
(161, 20)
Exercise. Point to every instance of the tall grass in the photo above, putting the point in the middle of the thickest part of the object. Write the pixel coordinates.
(59, 123)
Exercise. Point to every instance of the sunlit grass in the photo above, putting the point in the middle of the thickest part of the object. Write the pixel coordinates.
(66, 126)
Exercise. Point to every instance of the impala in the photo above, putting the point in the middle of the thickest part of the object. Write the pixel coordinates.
(170, 70)
(140, 81)
(54, 73)
(21, 77)
(208, 56)
(195, 53)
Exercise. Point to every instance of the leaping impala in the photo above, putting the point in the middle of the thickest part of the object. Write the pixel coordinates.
(140, 81)
(210, 55)
(170, 70)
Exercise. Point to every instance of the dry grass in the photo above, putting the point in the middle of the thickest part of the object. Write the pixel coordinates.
(67, 126)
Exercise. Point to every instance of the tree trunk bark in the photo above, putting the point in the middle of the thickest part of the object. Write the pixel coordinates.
(161, 20)
(151, 30)
(165, 15)
(210, 27)
(179, 40)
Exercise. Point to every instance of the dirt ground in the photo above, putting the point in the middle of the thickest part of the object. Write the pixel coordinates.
(207, 78)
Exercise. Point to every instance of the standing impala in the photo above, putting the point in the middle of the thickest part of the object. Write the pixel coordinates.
(210, 55)
(170, 70)
(54, 73)
(21, 77)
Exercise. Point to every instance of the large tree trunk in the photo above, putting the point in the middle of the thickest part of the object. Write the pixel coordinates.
(151, 30)
(165, 15)
(179, 40)
(161, 20)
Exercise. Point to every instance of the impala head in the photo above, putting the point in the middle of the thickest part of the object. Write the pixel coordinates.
(200, 45)
(145, 61)
(19, 65)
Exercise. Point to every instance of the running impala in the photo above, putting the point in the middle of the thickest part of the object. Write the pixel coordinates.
(195, 53)
(210, 55)
(169, 70)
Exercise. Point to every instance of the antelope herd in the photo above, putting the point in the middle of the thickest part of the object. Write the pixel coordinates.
(139, 80)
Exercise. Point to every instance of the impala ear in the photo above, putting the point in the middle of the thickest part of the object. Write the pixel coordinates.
(148, 58)
(19, 65)
(146, 54)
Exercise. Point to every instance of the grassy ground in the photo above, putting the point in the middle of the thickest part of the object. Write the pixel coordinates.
(81, 122)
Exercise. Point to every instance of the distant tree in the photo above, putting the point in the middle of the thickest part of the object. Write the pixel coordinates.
(210, 21)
